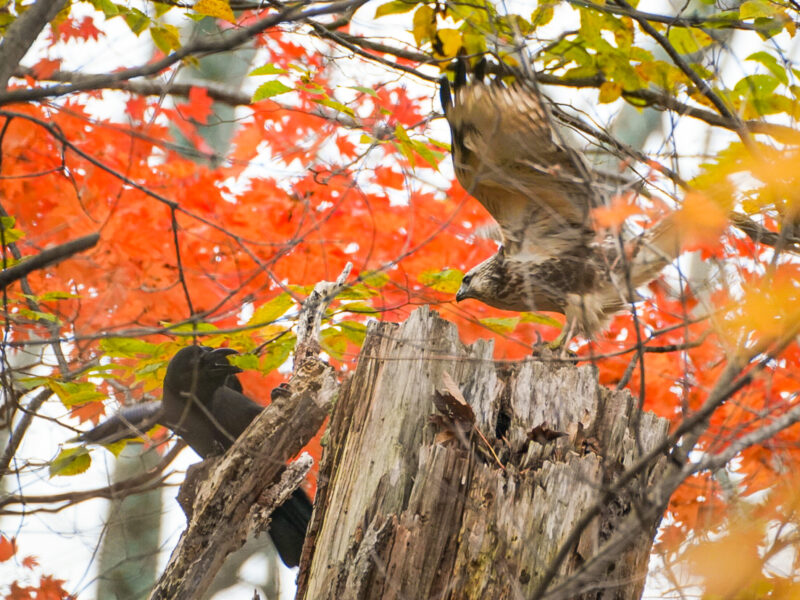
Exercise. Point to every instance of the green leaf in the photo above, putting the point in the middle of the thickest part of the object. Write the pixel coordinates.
(246, 362)
(70, 461)
(357, 291)
(376, 279)
(191, 327)
(756, 86)
(364, 90)
(276, 353)
(354, 331)
(117, 447)
(127, 347)
(270, 89)
(359, 307)
(755, 9)
(161, 8)
(429, 156)
(72, 393)
(268, 69)
(447, 281)
(333, 342)
(534, 317)
(108, 8)
(501, 324)
(270, 311)
(687, 40)
(137, 21)
(395, 7)
(50, 296)
(337, 106)
(771, 63)
(166, 38)
(38, 315)
(543, 14)
(10, 234)
(30, 383)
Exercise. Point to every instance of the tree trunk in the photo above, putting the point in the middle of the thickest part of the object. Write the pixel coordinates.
(413, 503)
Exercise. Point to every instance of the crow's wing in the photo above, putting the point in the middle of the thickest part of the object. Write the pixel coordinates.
(232, 413)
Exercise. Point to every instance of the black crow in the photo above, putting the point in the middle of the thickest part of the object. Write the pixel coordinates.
(203, 403)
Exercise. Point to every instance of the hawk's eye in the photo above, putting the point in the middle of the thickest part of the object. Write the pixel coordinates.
(467, 279)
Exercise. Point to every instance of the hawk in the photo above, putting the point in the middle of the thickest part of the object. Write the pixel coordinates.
(541, 192)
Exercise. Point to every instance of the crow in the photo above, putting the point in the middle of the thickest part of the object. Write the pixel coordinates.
(203, 404)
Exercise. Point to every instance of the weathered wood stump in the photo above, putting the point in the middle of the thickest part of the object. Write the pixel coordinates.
(411, 505)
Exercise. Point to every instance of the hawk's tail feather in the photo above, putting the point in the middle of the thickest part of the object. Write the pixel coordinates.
(654, 250)
(445, 96)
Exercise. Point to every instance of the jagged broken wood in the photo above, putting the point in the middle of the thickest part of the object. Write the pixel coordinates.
(227, 497)
(405, 511)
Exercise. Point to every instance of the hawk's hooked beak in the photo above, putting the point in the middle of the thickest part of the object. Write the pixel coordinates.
(461, 294)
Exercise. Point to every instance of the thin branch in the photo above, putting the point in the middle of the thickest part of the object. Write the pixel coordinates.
(122, 489)
(698, 81)
(698, 22)
(713, 462)
(22, 426)
(200, 47)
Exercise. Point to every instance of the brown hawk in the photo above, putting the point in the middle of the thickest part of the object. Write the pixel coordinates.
(541, 192)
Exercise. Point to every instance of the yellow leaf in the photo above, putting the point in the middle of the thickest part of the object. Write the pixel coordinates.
(609, 91)
(166, 38)
(768, 309)
(215, 8)
(450, 42)
(424, 24)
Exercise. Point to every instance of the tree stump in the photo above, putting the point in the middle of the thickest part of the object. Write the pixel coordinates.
(411, 506)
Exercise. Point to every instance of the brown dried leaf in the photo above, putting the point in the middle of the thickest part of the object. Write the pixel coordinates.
(450, 402)
(542, 434)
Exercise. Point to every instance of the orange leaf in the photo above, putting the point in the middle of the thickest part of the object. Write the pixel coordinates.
(45, 68)
(29, 562)
(611, 217)
(199, 106)
(7, 548)
(387, 177)
(702, 222)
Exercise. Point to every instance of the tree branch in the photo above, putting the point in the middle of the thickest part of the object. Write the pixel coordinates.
(201, 46)
(21, 34)
(47, 258)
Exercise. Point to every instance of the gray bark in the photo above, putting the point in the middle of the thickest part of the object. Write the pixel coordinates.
(414, 504)
(22, 33)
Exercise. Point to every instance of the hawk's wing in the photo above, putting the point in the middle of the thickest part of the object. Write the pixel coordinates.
(506, 155)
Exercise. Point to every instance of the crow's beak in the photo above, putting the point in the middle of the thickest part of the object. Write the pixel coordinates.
(218, 360)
